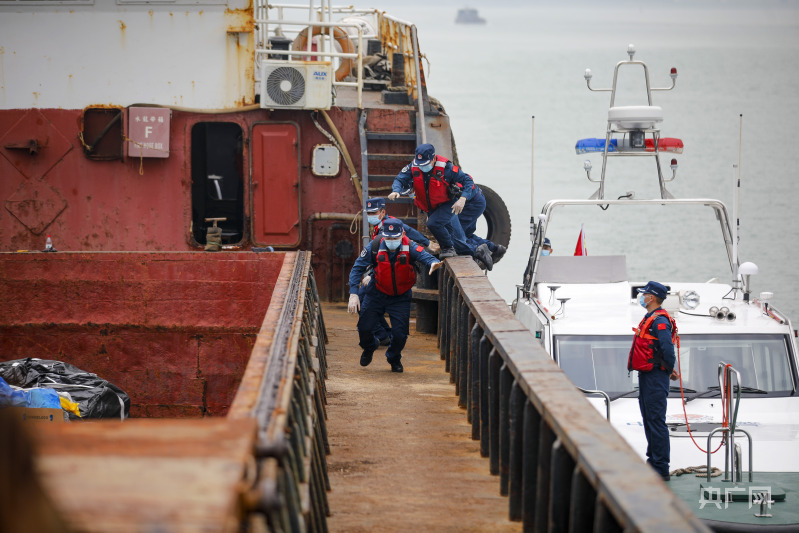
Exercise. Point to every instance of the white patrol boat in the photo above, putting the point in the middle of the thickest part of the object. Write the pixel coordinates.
(735, 408)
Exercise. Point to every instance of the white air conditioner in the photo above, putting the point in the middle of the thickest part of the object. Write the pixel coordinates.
(296, 84)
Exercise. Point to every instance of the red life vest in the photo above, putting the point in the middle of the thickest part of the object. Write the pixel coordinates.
(435, 192)
(642, 354)
(376, 229)
(398, 276)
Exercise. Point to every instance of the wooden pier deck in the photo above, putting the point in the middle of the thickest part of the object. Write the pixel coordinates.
(401, 456)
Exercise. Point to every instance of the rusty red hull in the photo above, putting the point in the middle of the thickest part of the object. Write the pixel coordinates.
(174, 330)
(61, 176)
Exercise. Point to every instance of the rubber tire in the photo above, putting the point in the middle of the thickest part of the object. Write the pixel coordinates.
(497, 217)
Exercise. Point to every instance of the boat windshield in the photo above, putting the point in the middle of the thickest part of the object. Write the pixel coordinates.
(599, 362)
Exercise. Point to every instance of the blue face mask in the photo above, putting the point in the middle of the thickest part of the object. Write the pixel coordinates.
(544, 252)
(393, 244)
(426, 168)
(374, 220)
(641, 301)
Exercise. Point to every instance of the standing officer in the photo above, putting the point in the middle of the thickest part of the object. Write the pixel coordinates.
(546, 248)
(392, 256)
(652, 355)
(442, 190)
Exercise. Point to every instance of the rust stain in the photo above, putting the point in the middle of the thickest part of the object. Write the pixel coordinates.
(122, 25)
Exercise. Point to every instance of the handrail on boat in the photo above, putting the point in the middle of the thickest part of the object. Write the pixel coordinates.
(556, 457)
(539, 225)
(396, 36)
(283, 389)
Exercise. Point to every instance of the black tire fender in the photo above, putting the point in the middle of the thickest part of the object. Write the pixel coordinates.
(497, 217)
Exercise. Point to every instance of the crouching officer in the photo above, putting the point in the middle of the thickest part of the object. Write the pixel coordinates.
(441, 190)
(652, 355)
(392, 256)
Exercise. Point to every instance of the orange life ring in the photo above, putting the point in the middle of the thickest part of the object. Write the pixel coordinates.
(342, 38)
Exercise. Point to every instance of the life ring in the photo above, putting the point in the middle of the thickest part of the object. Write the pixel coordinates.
(342, 38)
(497, 217)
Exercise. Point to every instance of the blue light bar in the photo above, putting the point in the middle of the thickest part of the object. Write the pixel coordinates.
(585, 146)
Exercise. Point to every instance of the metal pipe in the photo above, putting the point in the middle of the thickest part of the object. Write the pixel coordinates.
(324, 216)
(419, 103)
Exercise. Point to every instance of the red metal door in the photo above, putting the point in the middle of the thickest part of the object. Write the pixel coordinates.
(275, 184)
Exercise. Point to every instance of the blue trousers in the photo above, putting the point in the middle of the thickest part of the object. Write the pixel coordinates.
(382, 329)
(446, 228)
(472, 211)
(653, 391)
(374, 305)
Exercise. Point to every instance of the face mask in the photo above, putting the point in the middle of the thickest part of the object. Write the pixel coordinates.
(642, 301)
(426, 168)
(544, 252)
(393, 244)
(374, 220)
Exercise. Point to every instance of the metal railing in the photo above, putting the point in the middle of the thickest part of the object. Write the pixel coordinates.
(562, 465)
(396, 37)
(284, 390)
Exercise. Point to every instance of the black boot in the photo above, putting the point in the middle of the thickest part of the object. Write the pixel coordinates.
(396, 366)
(366, 357)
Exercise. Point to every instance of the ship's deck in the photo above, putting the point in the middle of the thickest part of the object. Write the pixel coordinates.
(401, 456)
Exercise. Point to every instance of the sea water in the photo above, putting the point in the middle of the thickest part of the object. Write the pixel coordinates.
(528, 60)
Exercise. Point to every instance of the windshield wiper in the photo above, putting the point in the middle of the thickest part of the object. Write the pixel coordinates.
(624, 394)
(744, 388)
(703, 394)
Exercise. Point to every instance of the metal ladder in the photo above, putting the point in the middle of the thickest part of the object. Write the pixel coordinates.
(367, 155)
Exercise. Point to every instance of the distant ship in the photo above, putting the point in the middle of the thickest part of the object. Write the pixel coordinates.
(469, 16)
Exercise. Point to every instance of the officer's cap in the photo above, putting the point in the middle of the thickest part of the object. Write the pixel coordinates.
(392, 228)
(424, 155)
(654, 288)
(373, 205)
(546, 242)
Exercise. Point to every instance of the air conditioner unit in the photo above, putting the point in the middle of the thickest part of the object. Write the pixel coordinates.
(296, 84)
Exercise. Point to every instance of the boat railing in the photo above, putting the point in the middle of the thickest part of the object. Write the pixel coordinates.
(283, 389)
(398, 39)
(732, 457)
(539, 226)
(558, 460)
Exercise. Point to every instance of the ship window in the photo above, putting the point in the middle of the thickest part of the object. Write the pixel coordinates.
(101, 133)
(600, 362)
(217, 189)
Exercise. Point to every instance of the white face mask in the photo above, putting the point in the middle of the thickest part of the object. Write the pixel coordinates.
(393, 244)
(642, 300)
(544, 252)
(426, 168)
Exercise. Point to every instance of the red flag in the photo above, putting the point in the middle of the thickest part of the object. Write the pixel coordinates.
(580, 249)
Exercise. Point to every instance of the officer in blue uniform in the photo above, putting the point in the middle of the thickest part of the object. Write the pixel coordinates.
(375, 214)
(546, 248)
(389, 290)
(442, 191)
(653, 347)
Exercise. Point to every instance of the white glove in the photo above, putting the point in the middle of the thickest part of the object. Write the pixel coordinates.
(365, 281)
(457, 207)
(354, 305)
(393, 196)
(434, 267)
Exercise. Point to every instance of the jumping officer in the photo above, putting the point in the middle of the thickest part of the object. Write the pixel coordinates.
(652, 355)
(389, 291)
(441, 190)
